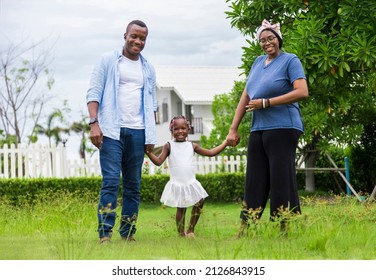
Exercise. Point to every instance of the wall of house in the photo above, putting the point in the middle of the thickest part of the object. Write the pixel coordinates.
(175, 108)
(203, 112)
(163, 96)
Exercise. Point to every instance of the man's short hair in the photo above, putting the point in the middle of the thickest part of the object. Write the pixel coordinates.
(137, 22)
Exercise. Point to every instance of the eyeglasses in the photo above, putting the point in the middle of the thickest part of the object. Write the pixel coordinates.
(268, 39)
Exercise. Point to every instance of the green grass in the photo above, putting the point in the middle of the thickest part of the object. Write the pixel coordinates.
(63, 226)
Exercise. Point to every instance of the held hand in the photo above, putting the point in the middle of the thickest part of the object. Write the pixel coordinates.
(149, 148)
(225, 143)
(233, 139)
(96, 136)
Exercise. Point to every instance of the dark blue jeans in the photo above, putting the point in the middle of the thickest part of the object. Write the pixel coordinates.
(125, 157)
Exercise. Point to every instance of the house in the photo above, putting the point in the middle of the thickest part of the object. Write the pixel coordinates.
(190, 91)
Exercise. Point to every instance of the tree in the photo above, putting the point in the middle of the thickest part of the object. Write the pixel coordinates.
(335, 41)
(223, 108)
(53, 128)
(24, 78)
(83, 129)
(363, 156)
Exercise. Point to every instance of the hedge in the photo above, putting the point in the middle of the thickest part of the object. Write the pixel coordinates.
(221, 187)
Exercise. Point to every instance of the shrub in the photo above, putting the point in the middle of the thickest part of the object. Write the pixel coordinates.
(221, 187)
(21, 191)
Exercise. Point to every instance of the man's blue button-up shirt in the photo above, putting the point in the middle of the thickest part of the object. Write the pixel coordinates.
(104, 87)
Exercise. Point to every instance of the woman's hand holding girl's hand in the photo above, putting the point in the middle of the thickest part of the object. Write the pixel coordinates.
(232, 138)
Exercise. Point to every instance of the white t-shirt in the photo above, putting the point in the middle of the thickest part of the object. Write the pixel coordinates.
(130, 93)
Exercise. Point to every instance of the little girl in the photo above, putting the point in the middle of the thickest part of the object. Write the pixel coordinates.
(183, 190)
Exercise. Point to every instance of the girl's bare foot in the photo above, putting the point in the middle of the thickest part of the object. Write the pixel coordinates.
(190, 235)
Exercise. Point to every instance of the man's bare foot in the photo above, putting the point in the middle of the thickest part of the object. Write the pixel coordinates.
(105, 239)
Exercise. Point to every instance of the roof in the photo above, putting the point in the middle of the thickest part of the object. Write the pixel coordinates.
(198, 84)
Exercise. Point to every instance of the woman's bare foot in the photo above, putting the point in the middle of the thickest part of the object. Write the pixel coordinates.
(242, 229)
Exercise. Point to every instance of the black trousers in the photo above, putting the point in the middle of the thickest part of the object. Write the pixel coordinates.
(271, 173)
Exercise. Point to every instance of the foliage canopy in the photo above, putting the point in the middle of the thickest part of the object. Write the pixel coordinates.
(335, 40)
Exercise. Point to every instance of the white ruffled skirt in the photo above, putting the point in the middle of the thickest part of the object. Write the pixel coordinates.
(182, 196)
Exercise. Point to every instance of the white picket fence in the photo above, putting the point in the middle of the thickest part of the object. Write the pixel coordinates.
(35, 161)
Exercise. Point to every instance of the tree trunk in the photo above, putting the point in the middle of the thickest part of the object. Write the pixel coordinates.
(310, 162)
(83, 146)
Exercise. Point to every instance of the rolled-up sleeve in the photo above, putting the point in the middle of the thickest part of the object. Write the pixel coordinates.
(154, 89)
(97, 83)
(150, 102)
(103, 89)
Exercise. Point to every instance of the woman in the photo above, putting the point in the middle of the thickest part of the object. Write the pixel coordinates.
(275, 84)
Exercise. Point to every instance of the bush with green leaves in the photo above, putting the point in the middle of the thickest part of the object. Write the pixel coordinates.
(221, 187)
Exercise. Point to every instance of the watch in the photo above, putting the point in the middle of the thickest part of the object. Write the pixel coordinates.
(93, 120)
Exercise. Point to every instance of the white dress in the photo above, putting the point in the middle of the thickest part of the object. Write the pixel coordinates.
(182, 190)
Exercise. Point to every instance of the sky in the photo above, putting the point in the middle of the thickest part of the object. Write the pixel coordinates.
(194, 32)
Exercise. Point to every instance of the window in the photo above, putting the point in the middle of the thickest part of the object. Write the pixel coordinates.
(165, 112)
(157, 116)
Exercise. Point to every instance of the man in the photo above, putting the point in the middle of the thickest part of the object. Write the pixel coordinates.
(122, 103)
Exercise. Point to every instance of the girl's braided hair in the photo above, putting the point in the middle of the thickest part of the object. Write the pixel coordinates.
(179, 118)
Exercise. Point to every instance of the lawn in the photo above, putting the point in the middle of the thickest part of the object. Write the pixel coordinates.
(63, 227)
